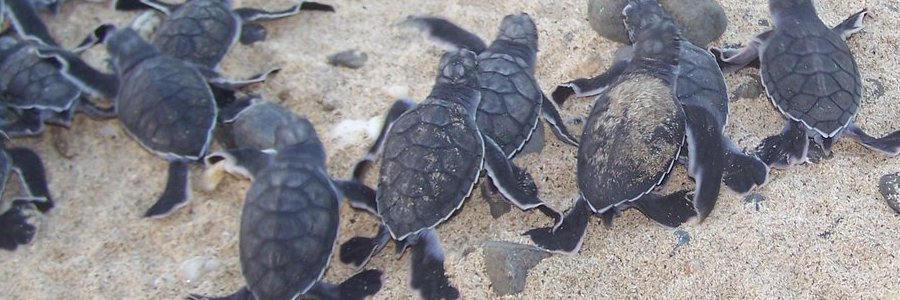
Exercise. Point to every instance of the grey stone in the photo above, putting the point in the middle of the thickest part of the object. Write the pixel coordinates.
(353, 59)
(701, 21)
(507, 265)
(889, 186)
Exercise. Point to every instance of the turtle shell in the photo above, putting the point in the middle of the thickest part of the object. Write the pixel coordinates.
(630, 141)
(701, 83)
(811, 76)
(288, 228)
(433, 155)
(510, 100)
(199, 31)
(31, 82)
(167, 106)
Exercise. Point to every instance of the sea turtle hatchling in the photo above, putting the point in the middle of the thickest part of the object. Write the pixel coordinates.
(433, 154)
(701, 84)
(512, 101)
(164, 103)
(202, 31)
(811, 76)
(291, 211)
(15, 229)
(635, 134)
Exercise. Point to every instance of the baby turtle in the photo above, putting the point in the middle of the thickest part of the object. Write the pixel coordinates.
(163, 102)
(291, 212)
(433, 154)
(27, 165)
(811, 77)
(202, 31)
(635, 134)
(512, 101)
(700, 84)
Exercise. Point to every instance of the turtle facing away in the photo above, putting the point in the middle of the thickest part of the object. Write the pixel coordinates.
(635, 134)
(512, 101)
(811, 77)
(164, 103)
(433, 154)
(15, 229)
(291, 212)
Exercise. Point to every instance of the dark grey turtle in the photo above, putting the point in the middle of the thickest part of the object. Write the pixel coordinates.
(635, 134)
(433, 154)
(163, 102)
(700, 84)
(291, 212)
(202, 31)
(811, 77)
(15, 229)
(512, 101)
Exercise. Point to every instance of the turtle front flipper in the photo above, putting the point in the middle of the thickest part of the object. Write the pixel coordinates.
(551, 115)
(79, 72)
(730, 59)
(851, 25)
(358, 250)
(253, 14)
(567, 237)
(128, 5)
(14, 227)
(447, 35)
(27, 22)
(397, 109)
(429, 278)
(706, 156)
(217, 80)
(743, 172)
(176, 194)
(785, 149)
(30, 168)
(671, 210)
(242, 294)
(889, 144)
(241, 162)
(503, 175)
(359, 195)
(361, 286)
(585, 87)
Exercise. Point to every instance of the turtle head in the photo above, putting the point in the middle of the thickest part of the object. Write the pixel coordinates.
(457, 67)
(127, 48)
(784, 11)
(651, 29)
(298, 140)
(519, 28)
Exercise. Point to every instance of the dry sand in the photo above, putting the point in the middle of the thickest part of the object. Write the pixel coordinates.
(823, 230)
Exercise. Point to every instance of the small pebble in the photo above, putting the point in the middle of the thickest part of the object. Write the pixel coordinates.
(507, 265)
(889, 186)
(701, 21)
(750, 88)
(353, 59)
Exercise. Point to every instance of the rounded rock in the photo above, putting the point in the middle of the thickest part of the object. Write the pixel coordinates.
(701, 21)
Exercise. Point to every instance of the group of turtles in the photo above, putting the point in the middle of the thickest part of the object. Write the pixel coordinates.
(662, 102)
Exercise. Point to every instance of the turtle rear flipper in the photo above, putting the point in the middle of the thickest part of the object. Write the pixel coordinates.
(30, 168)
(28, 123)
(567, 237)
(446, 35)
(358, 250)
(242, 294)
(359, 195)
(585, 87)
(550, 113)
(14, 227)
(889, 144)
(788, 148)
(731, 60)
(218, 81)
(79, 72)
(671, 210)
(743, 172)
(360, 286)
(706, 157)
(429, 278)
(176, 193)
(128, 5)
(397, 109)
(504, 175)
(851, 25)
